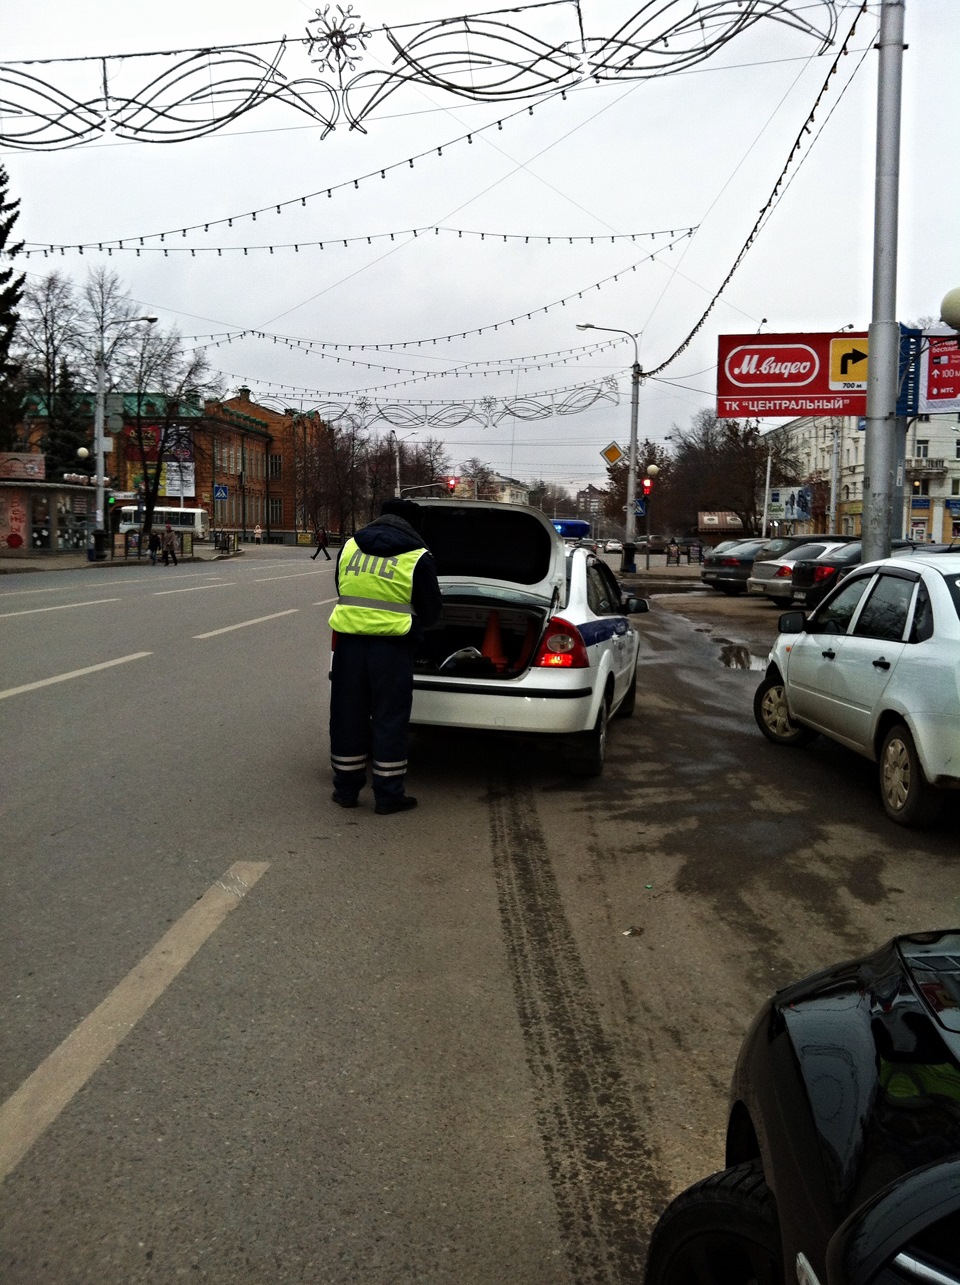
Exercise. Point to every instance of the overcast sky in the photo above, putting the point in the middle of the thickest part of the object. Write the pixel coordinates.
(700, 148)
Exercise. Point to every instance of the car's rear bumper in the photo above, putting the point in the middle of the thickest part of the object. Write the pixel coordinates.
(534, 704)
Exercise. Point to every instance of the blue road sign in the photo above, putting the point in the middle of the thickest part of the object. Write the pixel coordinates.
(640, 508)
(220, 492)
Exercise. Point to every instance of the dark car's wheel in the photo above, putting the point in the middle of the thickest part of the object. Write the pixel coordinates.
(773, 717)
(629, 702)
(730, 589)
(908, 798)
(721, 1231)
(587, 750)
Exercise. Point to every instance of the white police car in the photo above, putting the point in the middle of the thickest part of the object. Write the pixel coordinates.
(532, 637)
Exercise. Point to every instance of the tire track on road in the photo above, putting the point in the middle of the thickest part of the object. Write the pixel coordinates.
(602, 1167)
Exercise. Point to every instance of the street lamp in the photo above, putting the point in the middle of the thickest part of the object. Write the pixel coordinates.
(651, 471)
(396, 442)
(630, 526)
(98, 412)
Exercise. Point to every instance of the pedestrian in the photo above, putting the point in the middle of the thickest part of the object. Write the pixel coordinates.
(153, 544)
(257, 534)
(388, 592)
(321, 545)
(673, 553)
(169, 545)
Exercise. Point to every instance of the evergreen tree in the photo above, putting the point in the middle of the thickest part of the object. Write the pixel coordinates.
(11, 289)
(69, 426)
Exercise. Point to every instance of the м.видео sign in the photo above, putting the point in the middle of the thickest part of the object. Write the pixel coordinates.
(778, 376)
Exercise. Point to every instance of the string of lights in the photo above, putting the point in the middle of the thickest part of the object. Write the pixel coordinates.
(359, 395)
(778, 188)
(337, 243)
(217, 339)
(138, 240)
(505, 366)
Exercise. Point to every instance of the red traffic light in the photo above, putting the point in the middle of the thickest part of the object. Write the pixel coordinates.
(648, 485)
(451, 484)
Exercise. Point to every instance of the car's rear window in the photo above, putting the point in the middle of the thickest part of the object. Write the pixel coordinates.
(953, 584)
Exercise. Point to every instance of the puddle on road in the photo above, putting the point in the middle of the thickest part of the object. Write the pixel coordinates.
(739, 656)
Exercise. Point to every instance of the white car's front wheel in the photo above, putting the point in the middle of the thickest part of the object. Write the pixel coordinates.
(908, 797)
(773, 717)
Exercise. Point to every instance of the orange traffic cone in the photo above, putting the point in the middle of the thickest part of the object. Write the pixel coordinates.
(492, 646)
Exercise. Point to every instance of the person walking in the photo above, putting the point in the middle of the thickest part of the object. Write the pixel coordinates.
(388, 592)
(169, 545)
(153, 544)
(257, 534)
(321, 545)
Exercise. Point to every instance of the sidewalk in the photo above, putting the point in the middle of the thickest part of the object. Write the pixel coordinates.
(659, 578)
(26, 562)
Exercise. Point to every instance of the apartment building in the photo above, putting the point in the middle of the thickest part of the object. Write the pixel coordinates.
(829, 451)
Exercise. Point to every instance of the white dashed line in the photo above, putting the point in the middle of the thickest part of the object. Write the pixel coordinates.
(66, 606)
(245, 623)
(74, 673)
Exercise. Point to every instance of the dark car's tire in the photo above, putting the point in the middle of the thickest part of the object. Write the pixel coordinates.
(586, 751)
(773, 718)
(908, 797)
(722, 1230)
(629, 702)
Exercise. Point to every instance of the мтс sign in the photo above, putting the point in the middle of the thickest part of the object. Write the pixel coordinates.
(783, 375)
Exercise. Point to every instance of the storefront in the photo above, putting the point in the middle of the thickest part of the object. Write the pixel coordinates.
(44, 517)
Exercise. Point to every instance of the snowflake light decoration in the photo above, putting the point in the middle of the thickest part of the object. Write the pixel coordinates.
(338, 41)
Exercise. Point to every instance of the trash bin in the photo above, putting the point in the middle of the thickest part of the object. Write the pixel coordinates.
(628, 562)
(99, 546)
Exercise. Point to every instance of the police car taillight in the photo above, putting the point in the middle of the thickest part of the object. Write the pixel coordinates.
(561, 647)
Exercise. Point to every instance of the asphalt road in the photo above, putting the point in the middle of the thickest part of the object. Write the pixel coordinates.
(250, 1037)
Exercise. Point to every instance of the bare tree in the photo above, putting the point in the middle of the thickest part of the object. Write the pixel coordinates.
(167, 390)
(47, 336)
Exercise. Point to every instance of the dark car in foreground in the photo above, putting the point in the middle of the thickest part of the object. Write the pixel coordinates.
(813, 578)
(843, 1135)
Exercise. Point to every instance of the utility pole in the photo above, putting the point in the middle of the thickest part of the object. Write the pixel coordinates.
(880, 448)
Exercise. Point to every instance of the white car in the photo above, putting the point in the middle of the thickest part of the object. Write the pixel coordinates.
(532, 637)
(877, 667)
(613, 546)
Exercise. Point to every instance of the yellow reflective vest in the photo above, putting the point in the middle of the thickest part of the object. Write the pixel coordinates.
(376, 592)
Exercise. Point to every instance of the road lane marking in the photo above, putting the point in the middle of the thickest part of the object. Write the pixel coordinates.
(64, 606)
(324, 602)
(159, 593)
(244, 623)
(34, 1106)
(296, 576)
(74, 673)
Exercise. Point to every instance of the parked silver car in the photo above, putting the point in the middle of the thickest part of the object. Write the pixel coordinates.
(877, 668)
(773, 577)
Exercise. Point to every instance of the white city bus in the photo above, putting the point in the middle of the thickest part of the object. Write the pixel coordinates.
(195, 520)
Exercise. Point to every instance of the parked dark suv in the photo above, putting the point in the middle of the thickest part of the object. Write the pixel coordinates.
(843, 1135)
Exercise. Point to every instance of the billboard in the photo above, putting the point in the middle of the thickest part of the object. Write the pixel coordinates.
(939, 383)
(779, 376)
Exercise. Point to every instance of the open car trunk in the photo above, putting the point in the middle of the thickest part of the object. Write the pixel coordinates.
(501, 571)
(477, 638)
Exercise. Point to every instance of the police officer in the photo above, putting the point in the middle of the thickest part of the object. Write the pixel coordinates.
(388, 591)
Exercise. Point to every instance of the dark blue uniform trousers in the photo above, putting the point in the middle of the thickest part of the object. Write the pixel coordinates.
(371, 692)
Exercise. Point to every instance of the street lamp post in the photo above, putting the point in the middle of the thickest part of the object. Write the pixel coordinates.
(630, 525)
(396, 442)
(98, 412)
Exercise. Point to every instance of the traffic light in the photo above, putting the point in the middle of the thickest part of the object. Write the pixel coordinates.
(647, 487)
(451, 484)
